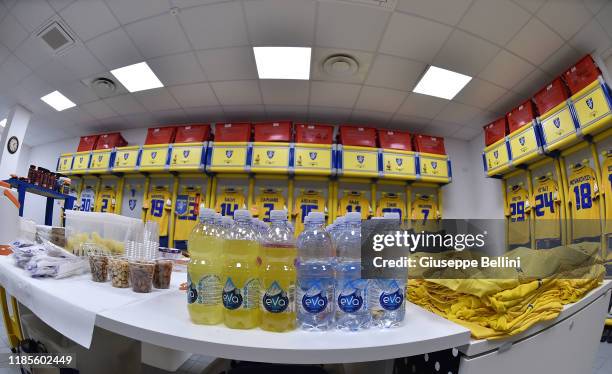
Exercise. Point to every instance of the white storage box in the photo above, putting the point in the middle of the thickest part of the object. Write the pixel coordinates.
(106, 230)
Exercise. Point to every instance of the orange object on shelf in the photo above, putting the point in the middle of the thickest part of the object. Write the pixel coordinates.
(233, 132)
(359, 136)
(550, 96)
(314, 133)
(160, 135)
(520, 116)
(195, 133)
(393, 139)
(88, 143)
(111, 140)
(495, 130)
(273, 131)
(429, 144)
(582, 74)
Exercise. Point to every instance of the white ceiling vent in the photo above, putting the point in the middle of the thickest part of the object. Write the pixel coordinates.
(56, 36)
(340, 66)
(387, 4)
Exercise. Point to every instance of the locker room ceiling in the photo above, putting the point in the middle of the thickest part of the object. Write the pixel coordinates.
(201, 51)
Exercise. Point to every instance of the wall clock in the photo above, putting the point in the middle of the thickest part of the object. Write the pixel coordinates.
(12, 145)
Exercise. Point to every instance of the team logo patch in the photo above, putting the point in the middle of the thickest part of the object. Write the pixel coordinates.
(229, 153)
(153, 155)
(589, 103)
(313, 155)
(100, 158)
(557, 122)
(360, 159)
(434, 164)
(125, 156)
(495, 154)
(522, 140)
(399, 161)
(80, 159)
(185, 154)
(132, 204)
(181, 206)
(270, 154)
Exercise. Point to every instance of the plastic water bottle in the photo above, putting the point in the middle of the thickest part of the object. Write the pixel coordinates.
(315, 275)
(278, 275)
(352, 311)
(387, 296)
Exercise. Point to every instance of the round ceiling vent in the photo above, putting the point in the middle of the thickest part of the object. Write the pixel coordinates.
(103, 86)
(340, 65)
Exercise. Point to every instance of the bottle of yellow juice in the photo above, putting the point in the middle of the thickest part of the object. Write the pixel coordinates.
(205, 248)
(240, 275)
(278, 275)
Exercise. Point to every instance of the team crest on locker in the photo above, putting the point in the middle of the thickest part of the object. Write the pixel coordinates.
(360, 159)
(557, 122)
(434, 164)
(270, 154)
(186, 153)
(495, 154)
(229, 153)
(399, 161)
(522, 140)
(100, 158)
(153, 155)
(313, 155)
(126, 156)
(132, 204)
(589, 103)
(181, 206)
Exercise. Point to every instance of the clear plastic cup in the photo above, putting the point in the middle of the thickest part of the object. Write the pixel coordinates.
(98, 264)
(141, 275)
(162, 274)
(120, 272)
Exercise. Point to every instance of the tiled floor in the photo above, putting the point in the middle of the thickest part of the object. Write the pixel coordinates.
(196, 364)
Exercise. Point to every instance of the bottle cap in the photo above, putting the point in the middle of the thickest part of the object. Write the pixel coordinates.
(318, 217)
(339, 220)
(207, 212)
(278, 215)
(391, 215)
(242, 214)
(353, 217)
(227, 220)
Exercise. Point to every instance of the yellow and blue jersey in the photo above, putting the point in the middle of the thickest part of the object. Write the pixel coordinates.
(425, 214)
(606, 176)
(268, 200)
(158, 207)
(517, 210)
(105, 203)
(583, 195)
(306, 202)
(186, 209)
(546, 209)
(391, 203)
(229, 200)
(354, 201)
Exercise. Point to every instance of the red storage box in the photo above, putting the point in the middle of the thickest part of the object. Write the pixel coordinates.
(495, 131)
(520, 116)
(273, 131)
(112, 140)
(160, 135)
(87, 143)
(314, 134)
(358, 136)
(195, 133)
(391, 139)
(429, 144)
(233, 132)
(550, 96)
(582, 74)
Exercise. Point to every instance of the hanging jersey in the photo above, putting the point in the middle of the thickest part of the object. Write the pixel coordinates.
(105, 203)
(306, 202)
(186, 209)
(159, 205)
(131, 205)
(606, 176)
(267, 201)
(425, 214)
(88, 200)
(546, 209)
(390, 203)
(517, 210)
(584, 203)
(355, 201)
(230, 200)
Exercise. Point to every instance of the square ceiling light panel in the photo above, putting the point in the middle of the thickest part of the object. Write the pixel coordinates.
(58, 101)
(282, 62)
(441, 83)
(137, 77)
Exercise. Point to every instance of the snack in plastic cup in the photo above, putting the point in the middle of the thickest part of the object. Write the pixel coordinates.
(141, 275)
(163, 273)
(98, 265)
(120, 272)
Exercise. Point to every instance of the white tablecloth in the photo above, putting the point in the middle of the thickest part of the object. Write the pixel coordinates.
(70, 305)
